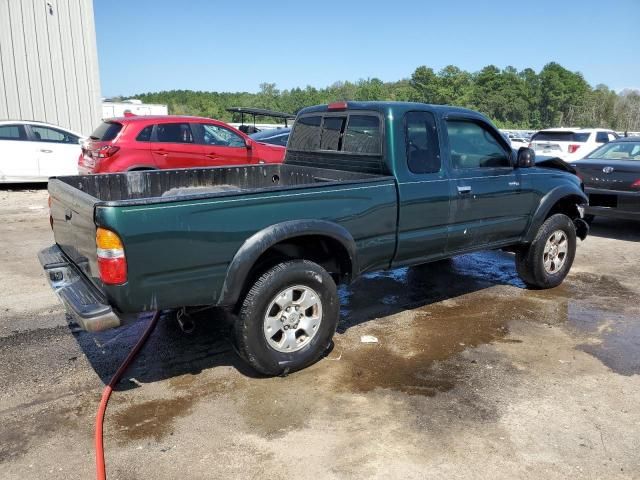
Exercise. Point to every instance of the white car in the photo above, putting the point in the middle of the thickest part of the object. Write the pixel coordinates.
(570, 144)
(517, 142)
(34, 151)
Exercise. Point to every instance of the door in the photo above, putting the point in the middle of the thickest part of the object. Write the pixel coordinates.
(424, 192)
(58, 151)
(222, 146)
(18, 157)
(173, 146)
(488, 206)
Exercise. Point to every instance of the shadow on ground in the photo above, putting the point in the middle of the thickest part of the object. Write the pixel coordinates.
(628, 230)
(169, 352)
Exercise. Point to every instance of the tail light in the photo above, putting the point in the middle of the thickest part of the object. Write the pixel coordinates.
(337, 106)
(112, 263)
(573, 147)
(49, 202)
(636, 184)
(106, 151)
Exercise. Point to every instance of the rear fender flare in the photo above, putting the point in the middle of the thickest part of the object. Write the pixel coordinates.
(260, 242)
(547, 203)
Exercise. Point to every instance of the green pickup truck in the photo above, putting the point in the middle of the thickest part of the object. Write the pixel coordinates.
(365, 186)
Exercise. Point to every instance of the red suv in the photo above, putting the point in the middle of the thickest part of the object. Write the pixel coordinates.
(169, 141)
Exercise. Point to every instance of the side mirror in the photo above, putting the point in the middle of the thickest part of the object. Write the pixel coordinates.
(248, 143)
(526, 158)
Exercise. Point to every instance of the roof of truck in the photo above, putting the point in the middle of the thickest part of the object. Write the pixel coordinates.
(387, 105)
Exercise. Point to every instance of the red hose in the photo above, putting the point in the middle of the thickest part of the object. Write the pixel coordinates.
(101, 473)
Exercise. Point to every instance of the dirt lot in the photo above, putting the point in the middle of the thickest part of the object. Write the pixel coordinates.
(474, 377)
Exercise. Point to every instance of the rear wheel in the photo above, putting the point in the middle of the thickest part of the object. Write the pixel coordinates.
(288, 318)
(547, 261)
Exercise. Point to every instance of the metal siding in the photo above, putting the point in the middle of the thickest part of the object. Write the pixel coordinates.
(49, 64)
(8, 64)
(33, 60)
(91, 57)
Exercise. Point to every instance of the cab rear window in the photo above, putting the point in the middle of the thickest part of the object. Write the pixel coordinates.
(106, 131)
(353, 133)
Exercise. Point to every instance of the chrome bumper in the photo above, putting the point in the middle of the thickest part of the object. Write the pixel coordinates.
(81, 299)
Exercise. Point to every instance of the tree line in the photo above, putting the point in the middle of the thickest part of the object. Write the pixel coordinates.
(512, 99)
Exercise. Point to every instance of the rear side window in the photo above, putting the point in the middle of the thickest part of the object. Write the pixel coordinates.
(423, 149)
(362, 135)
(52, 135)
(332, 130)
(12, 132)
(560, 137)
(602, 137)
(106, 131)
(145, 134)
(306, 134)
(174, 133)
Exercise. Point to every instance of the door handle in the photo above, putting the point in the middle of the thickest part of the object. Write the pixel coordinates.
(463, 190)
(43, 150)
(161, 152)
(68, 213)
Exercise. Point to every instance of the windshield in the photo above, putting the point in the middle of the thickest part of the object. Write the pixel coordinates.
(617, 151)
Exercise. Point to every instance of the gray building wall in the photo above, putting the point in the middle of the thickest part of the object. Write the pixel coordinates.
(49, 63)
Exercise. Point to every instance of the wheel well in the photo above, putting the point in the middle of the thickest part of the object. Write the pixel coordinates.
(568, 206)
(327, 252)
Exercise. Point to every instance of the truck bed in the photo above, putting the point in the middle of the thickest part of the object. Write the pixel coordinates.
(181, 228)
(158, 186)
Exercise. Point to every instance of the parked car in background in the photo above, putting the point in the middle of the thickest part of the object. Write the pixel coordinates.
(611, 176)
(34, 151)
(170, 141)
(570, 144)
(273, 136)
(517, 142)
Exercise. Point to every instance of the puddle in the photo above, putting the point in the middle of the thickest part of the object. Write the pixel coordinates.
(613, 337)
(150, 419)
(414, 344)
(425, 319)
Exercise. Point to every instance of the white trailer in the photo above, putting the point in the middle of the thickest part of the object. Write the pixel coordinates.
(118, 109)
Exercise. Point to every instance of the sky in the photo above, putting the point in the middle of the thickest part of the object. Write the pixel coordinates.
(212, 45)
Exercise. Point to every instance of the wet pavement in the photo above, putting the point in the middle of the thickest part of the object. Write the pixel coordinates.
(474, 376)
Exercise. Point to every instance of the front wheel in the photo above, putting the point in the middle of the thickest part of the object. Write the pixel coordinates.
(547, 261)
(288, 318)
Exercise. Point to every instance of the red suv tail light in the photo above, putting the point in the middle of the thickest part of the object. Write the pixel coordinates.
(106, 151)
(573, 147)
(112, 263)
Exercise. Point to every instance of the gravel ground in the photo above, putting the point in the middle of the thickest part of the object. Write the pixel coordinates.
(473, 377)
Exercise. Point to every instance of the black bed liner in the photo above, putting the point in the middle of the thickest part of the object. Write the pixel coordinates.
(157, 186)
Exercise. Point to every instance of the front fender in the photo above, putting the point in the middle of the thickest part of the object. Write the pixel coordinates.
(260, 242)
(547, 202)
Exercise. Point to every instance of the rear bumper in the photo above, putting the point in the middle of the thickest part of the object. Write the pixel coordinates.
(611, 212)
(620, 204)
(81, 299)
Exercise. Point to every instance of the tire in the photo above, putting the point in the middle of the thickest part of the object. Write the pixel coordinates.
(530, 261)
(267, 352)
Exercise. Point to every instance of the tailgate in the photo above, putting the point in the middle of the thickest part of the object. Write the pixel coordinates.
(549, 148)
(74, 229)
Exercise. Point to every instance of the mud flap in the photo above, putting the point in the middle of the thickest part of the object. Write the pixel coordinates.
(582, 228)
